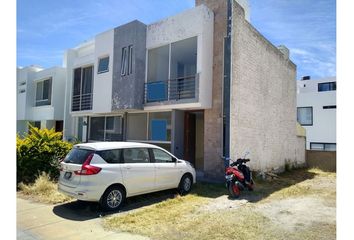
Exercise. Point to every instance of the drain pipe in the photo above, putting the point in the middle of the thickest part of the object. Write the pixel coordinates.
(227, 86)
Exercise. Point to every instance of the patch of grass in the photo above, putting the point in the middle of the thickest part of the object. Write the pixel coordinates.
(43, 190)
(184, 217)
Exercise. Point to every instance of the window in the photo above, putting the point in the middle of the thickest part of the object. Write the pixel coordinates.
(330, 107)
(126, 65)
(106, 128)
(304, 116)
(77, 156)
(161, 156)
(82, 89)
(44, 92)
(137, 126)
(323, 146)
(136, 155)
(103, 65)
(158, 64)
(111, 156)
(327, 86)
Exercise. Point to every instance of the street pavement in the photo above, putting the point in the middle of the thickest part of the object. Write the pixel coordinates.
(69, 221)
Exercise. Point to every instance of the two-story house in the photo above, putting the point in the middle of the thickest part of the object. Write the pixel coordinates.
(316, 112)
(40, 98)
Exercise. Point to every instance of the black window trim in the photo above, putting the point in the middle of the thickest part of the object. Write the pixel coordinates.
(311, 116)
(329, 83)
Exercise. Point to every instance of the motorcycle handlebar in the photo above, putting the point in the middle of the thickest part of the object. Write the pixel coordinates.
(240, 161)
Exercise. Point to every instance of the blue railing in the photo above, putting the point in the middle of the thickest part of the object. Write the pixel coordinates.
(172, 89)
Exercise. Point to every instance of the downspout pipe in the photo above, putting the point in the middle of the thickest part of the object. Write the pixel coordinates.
(227, 86)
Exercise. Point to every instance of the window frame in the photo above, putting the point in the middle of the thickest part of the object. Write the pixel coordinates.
(50, 91)
(327, 83)
(105, 130)
(139, 148)
(81, 87)
(324, 146)
(99, 64)
(297, 117)
(151, 151)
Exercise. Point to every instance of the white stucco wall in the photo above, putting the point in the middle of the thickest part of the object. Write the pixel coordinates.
(198, 21)
(323, 129)
(102, 91)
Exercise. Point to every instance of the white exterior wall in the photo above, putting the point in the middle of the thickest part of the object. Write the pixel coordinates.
(102, 91)
(323, 129)
(198, 22)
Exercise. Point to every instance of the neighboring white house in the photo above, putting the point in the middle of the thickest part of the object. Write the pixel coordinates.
(40, 97)
(316, 112)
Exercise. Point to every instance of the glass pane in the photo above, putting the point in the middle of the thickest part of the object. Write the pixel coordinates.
(158, 60)
(184, 58)
(123, 65)
(110, 156)
(317, 146)
(161, 156)
(77, 156)
(304, 115)
(97, 128)
(154, 123)
(45, 89)
(136, 155)
(114, 129)
(103, 65)
(87, 80)
(130, 60)
(330, 147)
(77, 81)
(39, 91)
(137, 126)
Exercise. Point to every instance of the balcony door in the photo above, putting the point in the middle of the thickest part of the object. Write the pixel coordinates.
(82, 89)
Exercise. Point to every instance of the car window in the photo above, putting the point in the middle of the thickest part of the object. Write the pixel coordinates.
(136, 155)
(111, 156)
(161, 156)
(77, 155)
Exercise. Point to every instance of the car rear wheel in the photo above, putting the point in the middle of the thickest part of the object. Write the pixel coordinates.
(185, 185)
(113, 198)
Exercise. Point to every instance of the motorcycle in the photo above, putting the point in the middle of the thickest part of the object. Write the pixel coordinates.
(238, 177)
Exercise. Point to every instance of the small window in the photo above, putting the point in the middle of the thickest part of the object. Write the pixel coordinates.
(136, 155)
(161, 156)
(111, 156)
(77, 155)
(123, 64)
(330, 107)
(305, 116)
(130, 60)
(323, 146)
(103, 65)
(44, 92)
(327, 86)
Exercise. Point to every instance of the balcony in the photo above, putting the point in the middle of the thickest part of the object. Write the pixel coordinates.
(82, 102)
(172, 90)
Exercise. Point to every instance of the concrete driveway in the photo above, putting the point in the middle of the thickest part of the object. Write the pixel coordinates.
(73, 220)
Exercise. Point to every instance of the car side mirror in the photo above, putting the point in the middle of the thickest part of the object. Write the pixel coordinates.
(174, 160)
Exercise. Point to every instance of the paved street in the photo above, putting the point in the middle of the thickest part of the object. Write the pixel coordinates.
(67, 221)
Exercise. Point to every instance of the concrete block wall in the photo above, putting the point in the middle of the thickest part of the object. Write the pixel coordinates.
(263, 99)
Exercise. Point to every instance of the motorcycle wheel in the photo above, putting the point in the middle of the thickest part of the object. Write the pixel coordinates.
(234, 191)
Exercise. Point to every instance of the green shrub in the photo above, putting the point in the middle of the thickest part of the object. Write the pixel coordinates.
(39, 151)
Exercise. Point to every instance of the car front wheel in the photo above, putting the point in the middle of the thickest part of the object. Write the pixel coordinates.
(185, 185)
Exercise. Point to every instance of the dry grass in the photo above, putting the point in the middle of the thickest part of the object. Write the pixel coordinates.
(182, 217)
(43, 190)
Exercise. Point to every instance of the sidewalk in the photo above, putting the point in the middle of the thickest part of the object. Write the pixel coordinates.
(61, 221)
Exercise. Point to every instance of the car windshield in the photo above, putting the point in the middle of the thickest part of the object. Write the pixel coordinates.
(77, 155)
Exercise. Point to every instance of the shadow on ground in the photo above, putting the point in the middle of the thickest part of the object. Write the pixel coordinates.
(82, 211)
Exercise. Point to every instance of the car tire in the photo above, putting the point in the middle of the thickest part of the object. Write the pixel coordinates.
(185, 184)
(113, 198)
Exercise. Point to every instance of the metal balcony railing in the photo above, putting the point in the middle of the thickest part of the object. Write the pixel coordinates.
(82, 102)
(172, 89)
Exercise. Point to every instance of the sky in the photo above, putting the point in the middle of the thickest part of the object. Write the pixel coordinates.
(45, 29)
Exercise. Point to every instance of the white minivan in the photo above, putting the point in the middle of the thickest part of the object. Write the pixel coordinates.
(109, 172)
